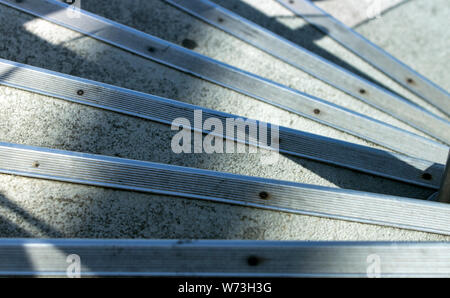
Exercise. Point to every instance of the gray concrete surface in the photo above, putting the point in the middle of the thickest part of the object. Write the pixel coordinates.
(352, 12)
(39, 208)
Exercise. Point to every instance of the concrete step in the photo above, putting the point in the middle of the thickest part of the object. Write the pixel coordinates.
(39, 208)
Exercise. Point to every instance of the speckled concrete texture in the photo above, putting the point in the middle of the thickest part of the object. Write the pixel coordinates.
(352, 13)
(39, 208)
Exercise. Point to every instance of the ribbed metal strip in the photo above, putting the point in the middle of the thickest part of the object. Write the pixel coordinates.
(201, 66)
(315, 65)
(373, 54)
(223, 187)
(223, 258)
(297, 143)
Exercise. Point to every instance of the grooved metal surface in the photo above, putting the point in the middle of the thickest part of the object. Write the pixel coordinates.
(190, 62)
(293, 142)
(38, 257)
(224, 187)
(373, 54)
(320, 68)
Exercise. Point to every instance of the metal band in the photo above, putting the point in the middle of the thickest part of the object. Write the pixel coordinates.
(188, 61)
(320, 68)
(373, 54)
(247, 191)
(207, 258)
(297, 143)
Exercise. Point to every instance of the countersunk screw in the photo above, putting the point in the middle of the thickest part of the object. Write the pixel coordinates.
(253, 261)
(264, 195)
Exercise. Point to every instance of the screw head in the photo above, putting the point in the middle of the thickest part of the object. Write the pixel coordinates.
(253, 261)
(264, 195)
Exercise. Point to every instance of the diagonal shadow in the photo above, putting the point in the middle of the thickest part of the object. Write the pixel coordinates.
(305, 36)
(122, 214)
(7, 228)
(113, 136)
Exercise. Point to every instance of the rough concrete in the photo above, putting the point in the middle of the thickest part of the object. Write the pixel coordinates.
(352, 13)
(38, 208)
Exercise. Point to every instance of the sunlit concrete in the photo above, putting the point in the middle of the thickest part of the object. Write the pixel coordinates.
(37, 208)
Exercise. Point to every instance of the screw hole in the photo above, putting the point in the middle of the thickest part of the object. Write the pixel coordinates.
(316, 111)
(264, 195)
(151, 49)
(220, 20)
(427, 176)
(410, 81)
(80, 92)
(253, 261)
(36, 164)
(362, 91)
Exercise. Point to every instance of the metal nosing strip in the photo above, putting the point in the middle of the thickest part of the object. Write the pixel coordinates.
(146, 106)
(225, 75)
(315, 65)
(373, 54)
(223, 258)
(277, 195)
